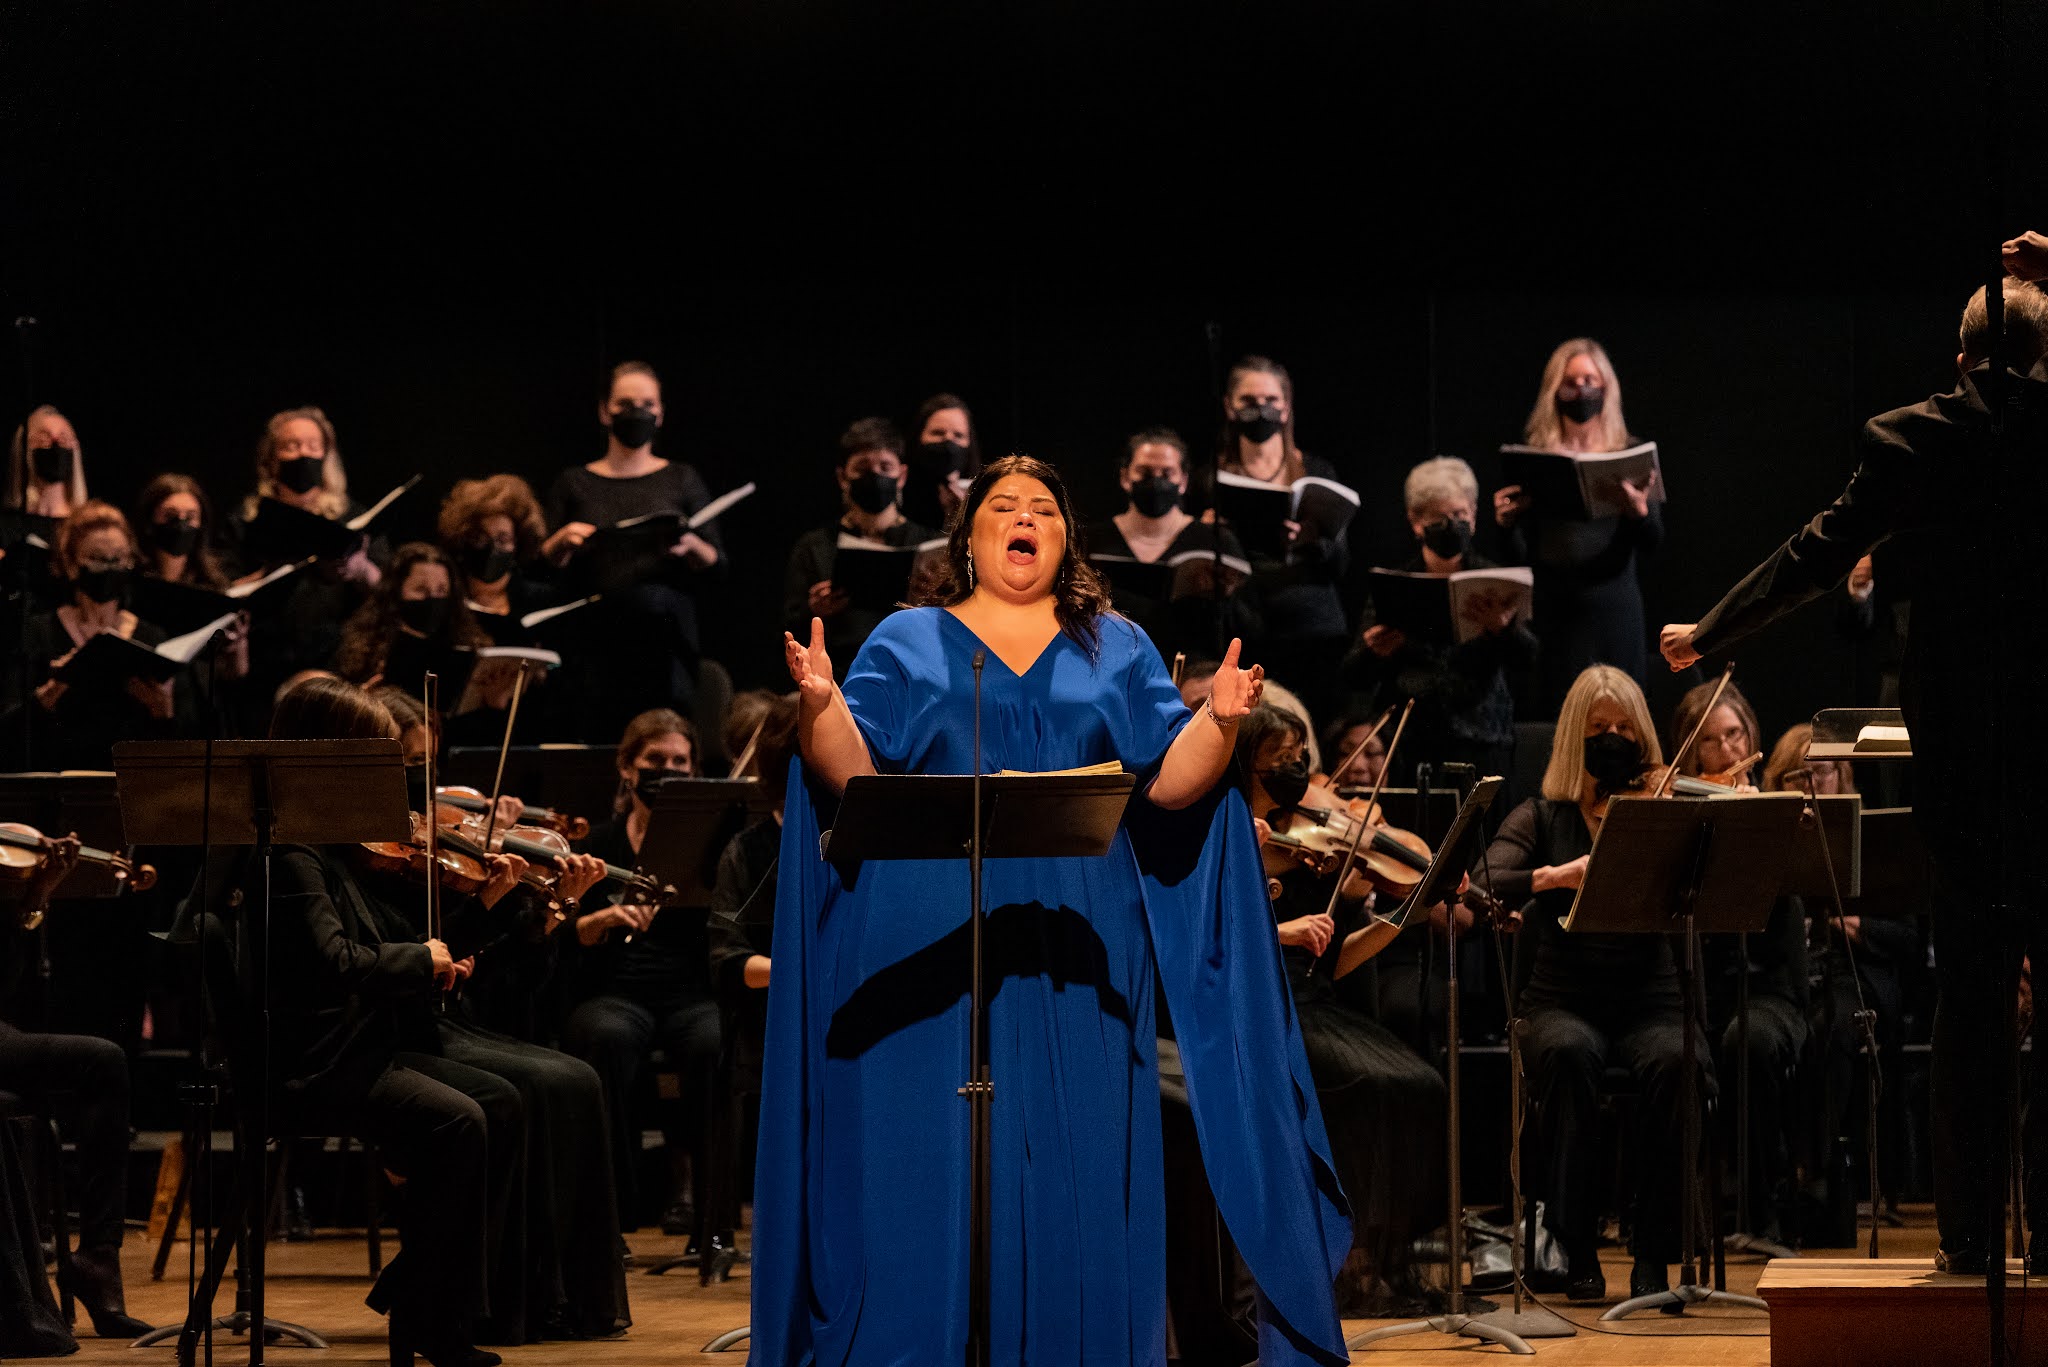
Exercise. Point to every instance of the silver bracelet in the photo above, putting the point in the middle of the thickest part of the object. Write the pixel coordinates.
(1221, 725)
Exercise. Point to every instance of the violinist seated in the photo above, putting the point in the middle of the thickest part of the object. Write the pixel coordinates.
(76, 720)
(412, 622)
(1208, 603)
(298, 463)
(871, 474)
(1779, 995)
(642, 980)
(1591, 1000)
(1884, 942)
(1383, 1105)
(501, 1144)
(83, 1081)
(1359, 752)
(1464, 711)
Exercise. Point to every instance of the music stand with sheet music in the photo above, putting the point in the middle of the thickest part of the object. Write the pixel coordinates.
(1440, 883)
(977, 817)
(259, 794)
(1687, 865)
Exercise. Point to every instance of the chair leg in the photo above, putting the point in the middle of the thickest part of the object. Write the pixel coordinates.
(373, 1208)
(60, 1221)
(179, 1197)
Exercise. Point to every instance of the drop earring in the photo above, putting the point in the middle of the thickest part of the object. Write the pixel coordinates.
(970, 569)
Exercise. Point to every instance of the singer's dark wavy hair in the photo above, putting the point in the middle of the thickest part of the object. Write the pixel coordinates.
(1081, 596)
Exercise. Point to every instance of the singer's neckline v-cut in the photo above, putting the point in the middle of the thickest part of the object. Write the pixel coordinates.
(1023, 673)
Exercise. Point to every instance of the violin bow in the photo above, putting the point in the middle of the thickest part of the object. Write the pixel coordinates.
(739, 766)
(1371, 803)
(1180, 662)
(430, 693)
(1359, 749)
(504, 749)
(1664, 784)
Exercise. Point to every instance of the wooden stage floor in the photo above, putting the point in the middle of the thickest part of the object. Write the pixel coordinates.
(322, 1284)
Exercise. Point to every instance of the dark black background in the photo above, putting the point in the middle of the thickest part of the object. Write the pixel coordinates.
(441, 220)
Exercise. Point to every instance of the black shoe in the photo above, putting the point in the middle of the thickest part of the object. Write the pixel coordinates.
(679, 1218)
(438, 1342)
(298, 1225)
(95, 1283)
(1967, 1261)
(1646, 1278)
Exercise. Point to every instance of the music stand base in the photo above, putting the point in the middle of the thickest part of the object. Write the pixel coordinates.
(1532, 1321)
(1463, 1326)
(1682, 1296)
(731, 1338)
(238, 1323)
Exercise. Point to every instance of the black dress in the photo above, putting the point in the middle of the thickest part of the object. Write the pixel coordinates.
(1588, 602)
(1194, 624)
(1463, 709)
(638, 646)
(811, 561)
(296, 627)
(1588, 1001)
(1778, 1008)
(1384, 1107)
(81, 731)
(631, 997)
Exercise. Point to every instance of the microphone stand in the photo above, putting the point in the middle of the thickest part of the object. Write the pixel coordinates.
(979, 1089)
(24, 337)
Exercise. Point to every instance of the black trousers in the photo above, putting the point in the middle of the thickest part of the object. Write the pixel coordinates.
(615, 1035)
(558, 1264)
(454, 1133)
(1777, 1037)
(83, 1079)
(1566, 1054)
(1979, 935)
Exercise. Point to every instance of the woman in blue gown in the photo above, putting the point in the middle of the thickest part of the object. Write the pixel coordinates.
(861, 1219)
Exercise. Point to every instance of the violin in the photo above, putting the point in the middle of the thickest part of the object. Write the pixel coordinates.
(1323, 827)
(460, 871)
(545, 818)
(23, 850)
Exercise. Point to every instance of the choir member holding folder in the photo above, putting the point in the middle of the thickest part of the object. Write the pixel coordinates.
(856, 571)
(492, 529)
(1588, 601)
(414, 622)
(1162, 564)
(1446, 629)
(1294, 530)
(628, 527)
(86, 694)
(182, 584)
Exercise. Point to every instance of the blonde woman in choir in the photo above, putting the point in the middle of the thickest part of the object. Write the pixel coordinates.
(1589, 604)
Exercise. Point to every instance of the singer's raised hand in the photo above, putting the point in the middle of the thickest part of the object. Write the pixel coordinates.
(1235, 691)
(810, 668)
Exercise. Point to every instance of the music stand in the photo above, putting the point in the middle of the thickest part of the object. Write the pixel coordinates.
(78, 800)
(977, 817)
(693, 819)
(1440, 883)
(259, 794)
(1720, 862)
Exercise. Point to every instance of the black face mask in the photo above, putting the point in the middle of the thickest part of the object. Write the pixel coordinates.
(634, 427)
(1259, 424)
(1613, 760)
(1287, 783)
(487, 564)
(425, 615)
(301, 476)
(416, 787)
(650, 783)
(1448, 537)
(935, 460)
(1583, 403)
(176, 537)
(51, 464)
(871, 493)
(1155, 496)
(103, 586)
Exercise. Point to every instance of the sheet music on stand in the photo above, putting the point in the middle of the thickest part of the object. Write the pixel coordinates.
(1859, 733)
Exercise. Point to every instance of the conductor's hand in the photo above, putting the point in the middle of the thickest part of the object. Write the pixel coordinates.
(1509, 503)
(1234, 693)
(1308, 932)
(2026, 257)
(811, 668)
(444, 964)
(1676, 643)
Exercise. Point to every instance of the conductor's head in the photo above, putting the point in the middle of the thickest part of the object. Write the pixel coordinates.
(2026, 328)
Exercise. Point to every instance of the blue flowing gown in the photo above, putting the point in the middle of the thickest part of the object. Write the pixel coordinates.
(861, 1215)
